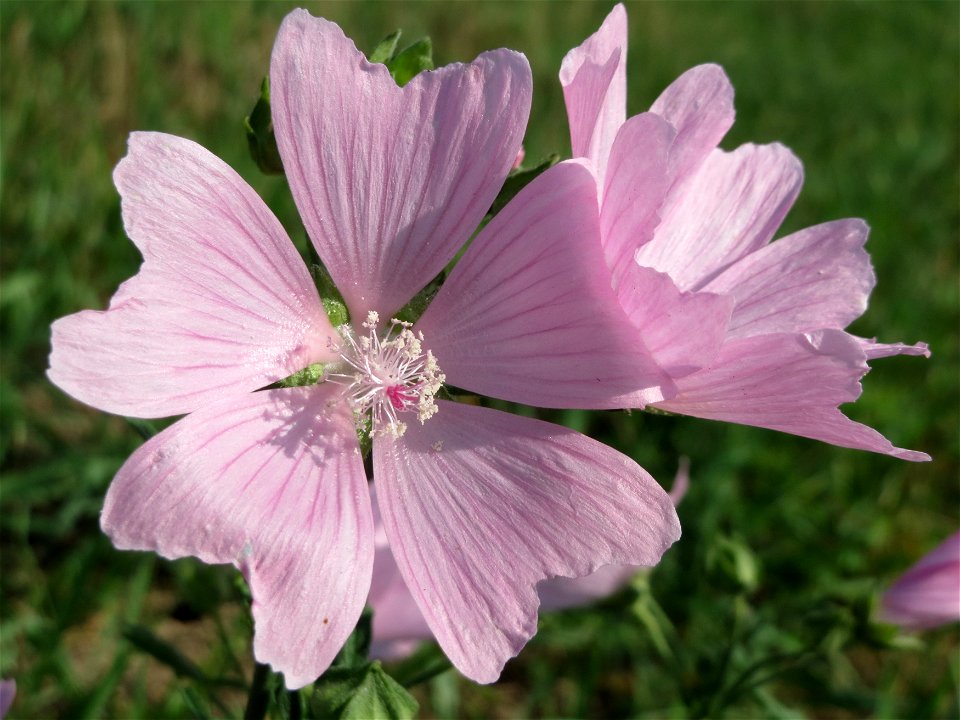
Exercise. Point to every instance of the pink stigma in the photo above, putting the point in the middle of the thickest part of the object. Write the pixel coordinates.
(401, 396)
(391, 374)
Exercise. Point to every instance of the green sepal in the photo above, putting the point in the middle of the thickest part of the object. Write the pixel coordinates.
(412, 311)
(412, 61)
(336, 310)
(310, 375)
(386, 48)
(517, 181)
(146, 428)
(332, 300)
(361, 693)
(260, 137)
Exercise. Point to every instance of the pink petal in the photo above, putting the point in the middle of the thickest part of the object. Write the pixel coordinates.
(398, 624)
(223, 303)
(480, 506)
(528, 314)
(683, 331)
(594, 80)
(820, 277)
(273, 483)
(699, 104)
(8, 691)
(791, 383)
(928, 594)
(561, 592)
(729, 208)
(875, 350)
(391, 182)
(635, 184)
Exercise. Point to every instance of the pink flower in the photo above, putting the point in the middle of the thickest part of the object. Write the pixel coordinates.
(8, 691)
(751, 331)
(399, 626)
(928, 594)
(478, 505)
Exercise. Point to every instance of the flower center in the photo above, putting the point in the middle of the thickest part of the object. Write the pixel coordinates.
(391, 375)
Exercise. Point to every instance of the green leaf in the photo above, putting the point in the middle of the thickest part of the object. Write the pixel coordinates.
(426, 663)
(361, 693)
(383, 52)
(195, 703)
(162, 651)
(412, 61)
(260, 137)
(517, 181)
(357, 647)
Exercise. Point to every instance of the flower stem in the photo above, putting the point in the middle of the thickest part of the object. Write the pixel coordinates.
(258, 699)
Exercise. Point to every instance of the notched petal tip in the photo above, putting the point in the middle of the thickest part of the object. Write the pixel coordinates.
(506, 503)
(227, 483)
(390, 182)
(609, 39)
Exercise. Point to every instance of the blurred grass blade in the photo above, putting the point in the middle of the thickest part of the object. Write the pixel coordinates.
(162, 651)
(427, 662)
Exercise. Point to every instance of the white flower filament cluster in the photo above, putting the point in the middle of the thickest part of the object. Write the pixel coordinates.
(391, 375)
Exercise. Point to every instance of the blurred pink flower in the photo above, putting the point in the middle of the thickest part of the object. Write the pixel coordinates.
(399, 626)
(8, 691)
(928, 594)
(478, 505)
(751, 331)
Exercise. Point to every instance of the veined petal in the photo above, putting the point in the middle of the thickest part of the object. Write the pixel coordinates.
(528, 314)
(788, 382)
(398, 624)
(635, 184)
(390, 182)
(729, 208)
(564, 592)
(594, 80)
(875, 350)
(222, 304)
(928, 594)
(480, 506)
(684, 331)
(819, 277)
(273, 483)
(699, 104)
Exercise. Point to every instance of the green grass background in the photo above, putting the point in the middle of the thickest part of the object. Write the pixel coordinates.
(866, 93)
